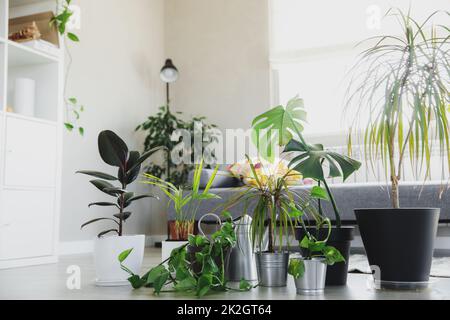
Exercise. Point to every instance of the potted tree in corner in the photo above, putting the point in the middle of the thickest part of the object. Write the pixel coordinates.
(410, 73)
(114, 152)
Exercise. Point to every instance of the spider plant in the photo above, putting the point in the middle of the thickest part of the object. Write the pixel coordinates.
(186, 204)
(401, 83)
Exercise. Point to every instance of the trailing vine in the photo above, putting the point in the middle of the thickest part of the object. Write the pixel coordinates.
(73, 107)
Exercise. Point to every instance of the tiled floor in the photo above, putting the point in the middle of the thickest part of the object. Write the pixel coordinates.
(49, 282)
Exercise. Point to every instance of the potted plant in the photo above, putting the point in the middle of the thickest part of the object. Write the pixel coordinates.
(309, 161)
(114, 152)
(310, 269)
(186, 204)
(199, 273)
(159, 129)
(410, 72)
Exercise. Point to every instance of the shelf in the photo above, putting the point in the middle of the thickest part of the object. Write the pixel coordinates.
(18, 3)
(34, 119)
(20, 55)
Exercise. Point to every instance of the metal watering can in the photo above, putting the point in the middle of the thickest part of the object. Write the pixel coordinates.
(241, 264)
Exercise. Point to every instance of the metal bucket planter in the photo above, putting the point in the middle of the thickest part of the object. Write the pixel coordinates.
(313, 281)
(272, 269)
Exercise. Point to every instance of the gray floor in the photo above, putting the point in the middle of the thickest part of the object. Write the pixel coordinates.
(49, 282)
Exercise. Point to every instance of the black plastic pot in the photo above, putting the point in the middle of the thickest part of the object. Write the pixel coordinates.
(341, 239)
(401, 243)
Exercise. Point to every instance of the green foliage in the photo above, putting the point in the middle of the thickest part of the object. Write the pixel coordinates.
(159, 129)
(411, 73)
(114, 152)
(315, 249)
(277, 126)
(186, 204)
(60, 21)
(197, 268)
(310, 160)
(296, 268)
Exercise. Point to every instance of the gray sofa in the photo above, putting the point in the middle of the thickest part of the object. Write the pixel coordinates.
(350, 197)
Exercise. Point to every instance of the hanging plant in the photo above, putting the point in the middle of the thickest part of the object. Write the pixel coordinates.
(73, 107)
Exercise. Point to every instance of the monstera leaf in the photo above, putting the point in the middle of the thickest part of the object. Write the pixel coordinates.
(278, 126)
(310, 160)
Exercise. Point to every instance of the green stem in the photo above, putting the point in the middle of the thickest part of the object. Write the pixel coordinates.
(333, 203)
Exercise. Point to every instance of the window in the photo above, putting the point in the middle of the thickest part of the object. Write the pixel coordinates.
(313, 48)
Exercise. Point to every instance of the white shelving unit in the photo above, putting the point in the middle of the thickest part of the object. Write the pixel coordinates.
(30, 147)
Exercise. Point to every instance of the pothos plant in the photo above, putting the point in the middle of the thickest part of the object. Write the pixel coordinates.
(60, 21)
(114, 152)
(196, 268)
(314, 248)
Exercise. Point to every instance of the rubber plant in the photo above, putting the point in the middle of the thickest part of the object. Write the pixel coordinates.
(186, 202)
(114, 152)
(410, 72)
(60, 21)
(199, 271)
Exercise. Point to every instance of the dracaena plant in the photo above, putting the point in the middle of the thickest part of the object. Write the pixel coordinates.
(401, 83)
(114, 151)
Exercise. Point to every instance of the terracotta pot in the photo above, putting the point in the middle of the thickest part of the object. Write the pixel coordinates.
(180, 230)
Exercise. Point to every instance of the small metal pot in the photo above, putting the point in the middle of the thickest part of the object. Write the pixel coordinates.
(313, 281)
(272, 269)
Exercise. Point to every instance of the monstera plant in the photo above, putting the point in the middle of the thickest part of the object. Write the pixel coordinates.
(114, 152)
(284, 126)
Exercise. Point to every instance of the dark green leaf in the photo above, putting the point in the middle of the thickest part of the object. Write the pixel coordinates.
(186, 284)
(113, 150)
(103, 204)
(204, 284)
(100, 175)
(123, 216)
(96, 220)
(144, 157)
(101, 234)
(136, 282)
(81, 131)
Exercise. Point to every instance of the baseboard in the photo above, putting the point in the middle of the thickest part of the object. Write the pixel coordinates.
(87, 246)
(151, 240)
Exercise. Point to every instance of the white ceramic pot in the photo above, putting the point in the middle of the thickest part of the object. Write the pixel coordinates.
(107, 266)
(168, 246)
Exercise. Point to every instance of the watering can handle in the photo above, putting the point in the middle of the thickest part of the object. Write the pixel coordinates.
(203, 217)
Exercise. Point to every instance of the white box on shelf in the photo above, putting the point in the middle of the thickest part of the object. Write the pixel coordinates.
(24, 96)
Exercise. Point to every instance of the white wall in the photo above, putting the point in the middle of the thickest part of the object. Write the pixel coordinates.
(116, 75)
(221, 48)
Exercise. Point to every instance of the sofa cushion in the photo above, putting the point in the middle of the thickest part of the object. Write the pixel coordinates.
(350, 197)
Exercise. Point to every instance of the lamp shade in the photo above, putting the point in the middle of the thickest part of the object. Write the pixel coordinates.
(169, 73)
